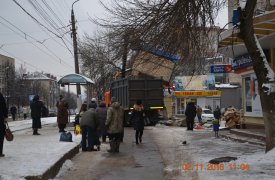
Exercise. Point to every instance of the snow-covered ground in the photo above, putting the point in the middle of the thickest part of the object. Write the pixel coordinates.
(29, 155)
(191, 161)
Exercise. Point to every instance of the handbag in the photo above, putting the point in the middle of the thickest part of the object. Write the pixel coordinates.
(66, 137)
(8, 133)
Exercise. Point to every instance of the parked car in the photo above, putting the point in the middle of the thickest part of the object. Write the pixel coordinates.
(206, 116)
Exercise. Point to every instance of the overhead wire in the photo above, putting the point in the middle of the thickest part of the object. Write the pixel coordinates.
(39, 23)
(25, 37)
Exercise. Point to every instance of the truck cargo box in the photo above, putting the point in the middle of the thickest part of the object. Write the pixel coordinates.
(128, 91)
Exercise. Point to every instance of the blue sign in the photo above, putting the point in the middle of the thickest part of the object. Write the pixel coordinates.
(242, 62)
(220, 68)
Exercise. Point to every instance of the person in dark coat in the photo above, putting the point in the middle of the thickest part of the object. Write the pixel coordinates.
(13, 111)
(138, 121)
(190, 114)
(101, 112)
(36, 111)
(216, 122)
(89, 125)
(62, 115)
(93, 102)
(3, 116)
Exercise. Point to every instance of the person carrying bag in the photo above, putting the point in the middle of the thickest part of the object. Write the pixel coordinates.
(3, 116)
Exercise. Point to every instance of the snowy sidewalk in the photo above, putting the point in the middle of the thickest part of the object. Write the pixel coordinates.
(35, 157)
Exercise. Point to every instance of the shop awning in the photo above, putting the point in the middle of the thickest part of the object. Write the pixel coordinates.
(264, 27)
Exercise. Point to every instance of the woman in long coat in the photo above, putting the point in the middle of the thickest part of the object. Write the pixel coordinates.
(101, 112)
(138, 121)
(62, 115)
(3, 116)
(36, 111)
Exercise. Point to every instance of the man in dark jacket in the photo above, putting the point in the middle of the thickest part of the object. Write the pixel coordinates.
(89, 125)
(13, 111)
(36, 110)
(3, 116)
(190, 114)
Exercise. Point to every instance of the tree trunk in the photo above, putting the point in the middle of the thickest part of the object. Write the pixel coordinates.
(258, 59)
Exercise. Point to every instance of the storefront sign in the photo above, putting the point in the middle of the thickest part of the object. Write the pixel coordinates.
(220, 68)
(242, 63)
(196, 93)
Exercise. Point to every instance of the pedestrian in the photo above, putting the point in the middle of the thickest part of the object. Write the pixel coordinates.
(83, 109)
(93, 101)
(3, 119)
(199, 112)
(13, 111)
(62, 115)
(114, 125)
(36, 111)
(216, 121)
(102, 115)
(138, 121)
(190, 114)
(89, 125)
(25, 112)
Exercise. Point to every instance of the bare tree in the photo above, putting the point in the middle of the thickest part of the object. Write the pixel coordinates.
(176, 26)
(100, 60)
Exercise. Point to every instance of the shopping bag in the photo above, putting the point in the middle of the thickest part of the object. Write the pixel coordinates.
(8, 133)
(66, 137)
(77, 129)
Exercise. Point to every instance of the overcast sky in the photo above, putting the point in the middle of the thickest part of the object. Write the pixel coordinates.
(37, 48)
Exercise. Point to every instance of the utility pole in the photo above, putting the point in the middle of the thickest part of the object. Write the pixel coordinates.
(124, 56)
(78, 90)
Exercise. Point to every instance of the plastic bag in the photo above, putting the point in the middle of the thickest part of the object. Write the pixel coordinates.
(77, 129)
(66, 137)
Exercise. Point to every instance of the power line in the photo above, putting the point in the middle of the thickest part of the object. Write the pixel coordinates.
(41, 24)
(25, 37)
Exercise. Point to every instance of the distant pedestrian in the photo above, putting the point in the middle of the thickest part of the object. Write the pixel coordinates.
(114, 124)
(138, 121)
(36, 111)
(199, 112)
(101, 112)
(13, 111)
(89, 124)
(83, 109)
(3, 117)
(190, 114)
(25, 111)
(62, 115)
(216, 121)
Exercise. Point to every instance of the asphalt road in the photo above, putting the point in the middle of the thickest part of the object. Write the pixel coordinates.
(141, 161)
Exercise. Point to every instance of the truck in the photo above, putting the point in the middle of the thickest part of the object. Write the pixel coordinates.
(127, 91)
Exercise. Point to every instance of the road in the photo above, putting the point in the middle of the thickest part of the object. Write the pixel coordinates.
(141, 161)
(163, 156)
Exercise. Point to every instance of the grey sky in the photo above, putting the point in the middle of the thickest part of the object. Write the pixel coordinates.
(19, 39)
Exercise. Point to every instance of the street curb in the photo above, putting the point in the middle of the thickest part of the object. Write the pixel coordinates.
(242, 140)
(53, 171)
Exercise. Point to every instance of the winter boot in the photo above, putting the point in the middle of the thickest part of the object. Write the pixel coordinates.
(117, 143)
(136, 139)
(112, 147)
